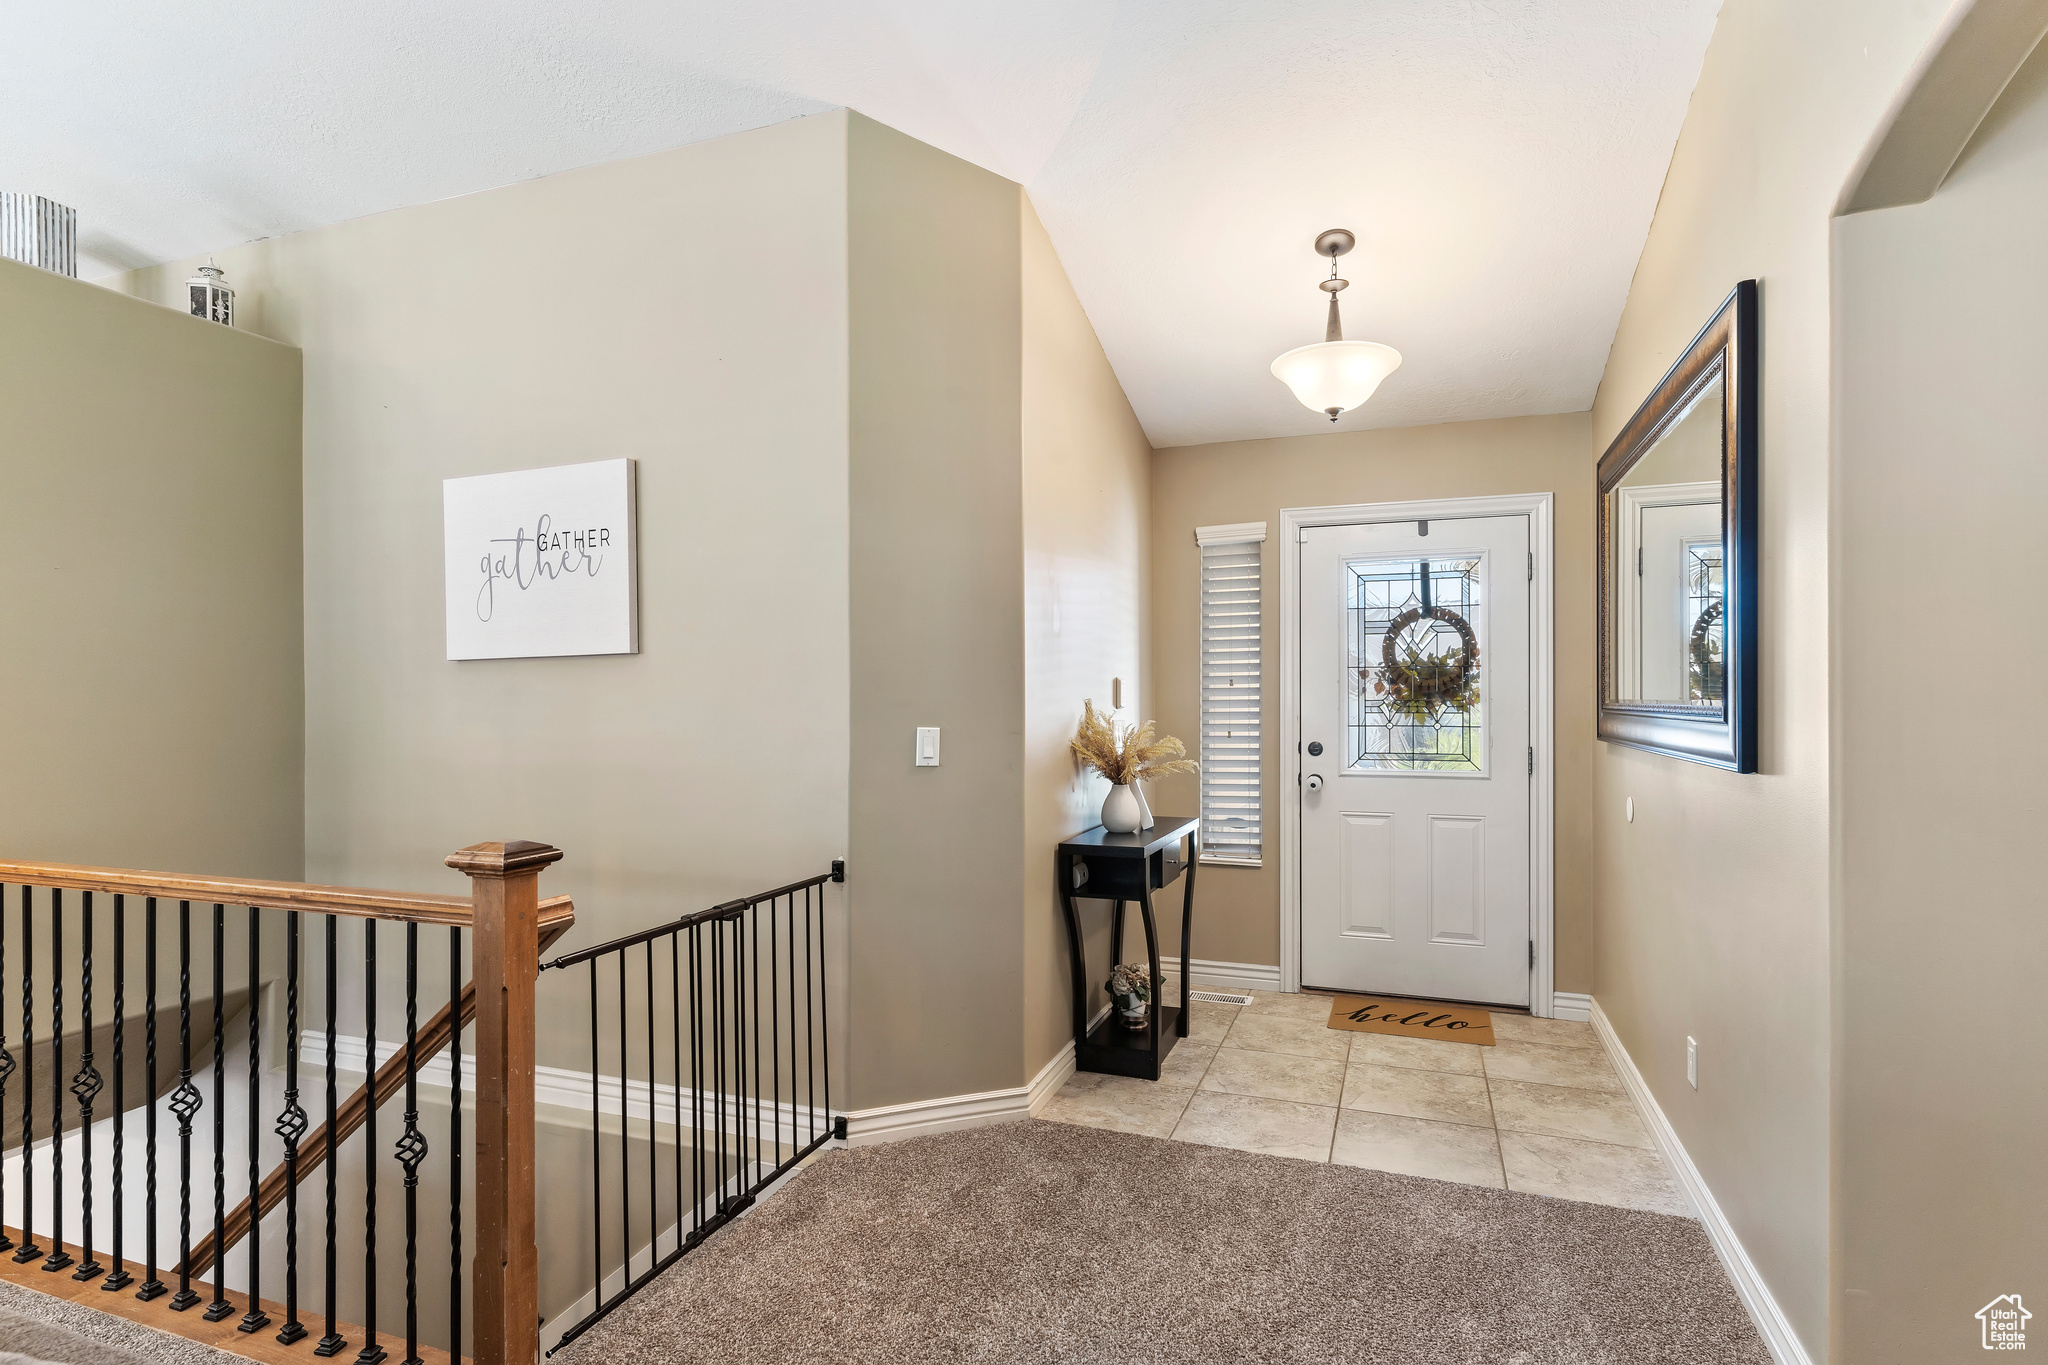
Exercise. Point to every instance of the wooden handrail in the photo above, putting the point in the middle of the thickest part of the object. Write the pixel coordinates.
(557, 917)
(264, 895)
(510, 926)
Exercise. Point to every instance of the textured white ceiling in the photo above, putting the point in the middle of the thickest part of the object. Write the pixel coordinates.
(1498, 159)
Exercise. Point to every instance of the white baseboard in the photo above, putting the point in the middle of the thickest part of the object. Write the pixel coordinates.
(1756, 1296)
(1050, 1078)
(1228, 976)
(893, 1122)
(1571, 1005)
(896, 1121)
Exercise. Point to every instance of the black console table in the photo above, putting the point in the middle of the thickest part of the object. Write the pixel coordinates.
(1099, 865)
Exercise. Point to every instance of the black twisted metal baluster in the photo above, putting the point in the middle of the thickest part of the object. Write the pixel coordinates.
(117, 1273)
(58, 1257)
(255, 1320)
(455, 1142)
(152, 1287)
(85, 1088)
(412, 1145)
(291, 1126)
(220, 1308)
(332, 1343)
(371, 1352)
(7, 1065)
(185, 1105)
(28, 1250)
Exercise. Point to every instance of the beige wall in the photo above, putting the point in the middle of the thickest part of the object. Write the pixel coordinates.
(937, 592)
(688, 310)
(1710, 911)
(1237, 913)
(151, 684)
(1941, 959)
(1087, 509)
(813, 339)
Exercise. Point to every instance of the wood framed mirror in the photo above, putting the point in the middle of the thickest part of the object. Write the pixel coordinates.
(1678, 555)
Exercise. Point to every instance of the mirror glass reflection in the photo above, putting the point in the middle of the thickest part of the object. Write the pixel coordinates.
(1665, 528)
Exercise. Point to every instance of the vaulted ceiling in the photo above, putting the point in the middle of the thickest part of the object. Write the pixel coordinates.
(1498, 159)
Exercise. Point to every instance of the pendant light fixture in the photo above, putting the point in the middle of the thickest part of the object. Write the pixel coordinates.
(1335, 375)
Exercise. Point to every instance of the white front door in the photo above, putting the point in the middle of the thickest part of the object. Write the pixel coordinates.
(1416, 759)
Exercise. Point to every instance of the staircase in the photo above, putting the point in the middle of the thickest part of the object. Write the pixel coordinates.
(352, 1076)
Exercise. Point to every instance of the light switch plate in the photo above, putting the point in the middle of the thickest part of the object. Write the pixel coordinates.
(927, 746)
(1692, 1063)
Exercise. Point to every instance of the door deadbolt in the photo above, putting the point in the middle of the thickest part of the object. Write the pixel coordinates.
(1315, 748)
(1315, 782)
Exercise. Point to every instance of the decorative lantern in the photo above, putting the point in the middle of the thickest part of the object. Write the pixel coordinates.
(211, 297)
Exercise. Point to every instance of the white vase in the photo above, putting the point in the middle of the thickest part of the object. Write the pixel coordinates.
(1121, 811)
(1144, 806)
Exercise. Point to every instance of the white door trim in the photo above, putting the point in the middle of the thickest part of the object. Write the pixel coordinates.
(1631, 503)
(1542, 711)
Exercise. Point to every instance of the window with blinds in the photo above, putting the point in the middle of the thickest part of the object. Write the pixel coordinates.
(1232, 818)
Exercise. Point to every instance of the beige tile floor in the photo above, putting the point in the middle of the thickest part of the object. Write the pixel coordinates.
(1542, 1111)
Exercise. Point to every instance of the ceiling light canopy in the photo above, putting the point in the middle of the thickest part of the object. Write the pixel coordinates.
(1335, 375)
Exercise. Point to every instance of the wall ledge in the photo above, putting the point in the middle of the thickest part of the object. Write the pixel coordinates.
(1968, 63)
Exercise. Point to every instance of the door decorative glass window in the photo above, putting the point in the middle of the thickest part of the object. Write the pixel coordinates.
(1704, 607)
(1413, 665)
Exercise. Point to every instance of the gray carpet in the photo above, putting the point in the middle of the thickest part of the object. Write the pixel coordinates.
(1039, 1241)
(48, 1329)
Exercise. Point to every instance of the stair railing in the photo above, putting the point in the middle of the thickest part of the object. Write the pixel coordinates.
(503, 924)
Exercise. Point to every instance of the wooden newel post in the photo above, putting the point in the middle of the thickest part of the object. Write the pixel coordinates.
(504, 896)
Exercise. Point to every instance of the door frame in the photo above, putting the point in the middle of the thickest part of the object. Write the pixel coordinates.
(1542, 712)
(1628, 589)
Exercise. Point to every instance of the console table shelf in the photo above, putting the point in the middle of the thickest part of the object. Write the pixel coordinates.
(1098, 865)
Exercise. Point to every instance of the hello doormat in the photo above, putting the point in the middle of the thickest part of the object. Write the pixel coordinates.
(1412, 1019)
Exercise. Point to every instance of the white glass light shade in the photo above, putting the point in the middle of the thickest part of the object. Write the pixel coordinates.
(1336, 376)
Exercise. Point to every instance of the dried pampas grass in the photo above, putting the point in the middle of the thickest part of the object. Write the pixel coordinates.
(1131, 755)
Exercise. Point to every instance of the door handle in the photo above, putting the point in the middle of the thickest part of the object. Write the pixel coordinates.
(1315, 782)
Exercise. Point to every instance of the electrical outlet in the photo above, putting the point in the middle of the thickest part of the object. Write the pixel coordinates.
(1692, 1063)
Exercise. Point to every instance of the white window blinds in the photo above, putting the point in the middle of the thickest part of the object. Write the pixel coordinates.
(1232, 755)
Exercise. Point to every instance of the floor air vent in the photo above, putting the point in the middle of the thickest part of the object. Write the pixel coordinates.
(1220, 997)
